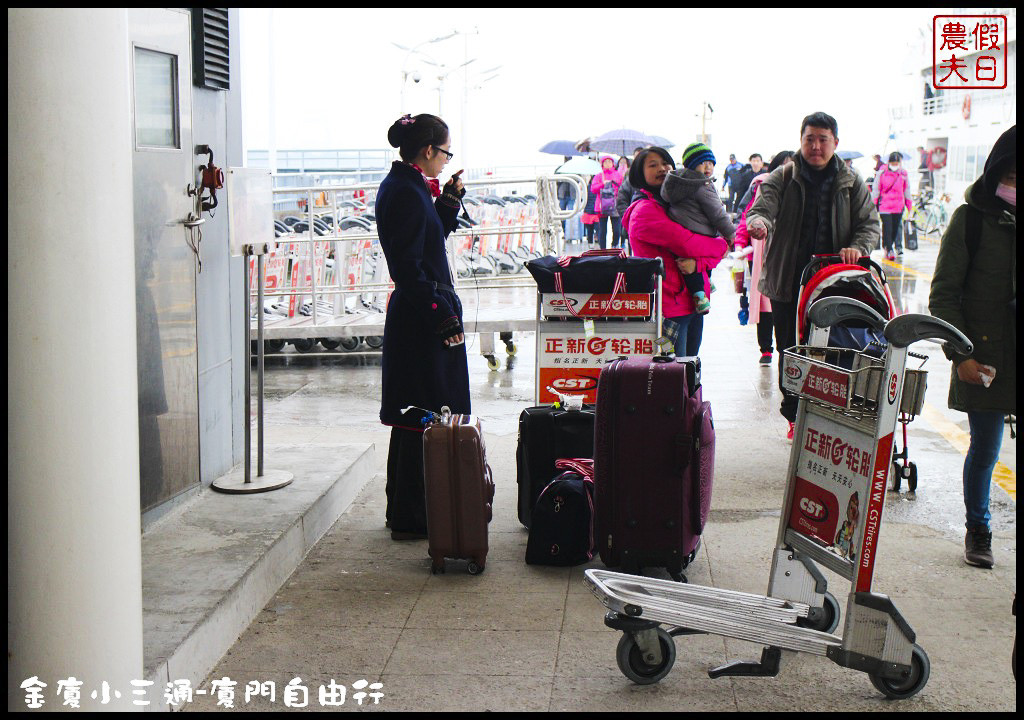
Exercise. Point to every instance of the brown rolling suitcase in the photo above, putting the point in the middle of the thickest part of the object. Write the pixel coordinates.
(459, 489)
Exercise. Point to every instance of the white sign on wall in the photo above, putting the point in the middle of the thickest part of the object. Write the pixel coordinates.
(250, 209)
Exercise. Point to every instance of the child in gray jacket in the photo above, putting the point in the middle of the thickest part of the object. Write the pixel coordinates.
(694, 203)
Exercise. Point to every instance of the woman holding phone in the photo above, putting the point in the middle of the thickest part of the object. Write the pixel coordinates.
(424, 359)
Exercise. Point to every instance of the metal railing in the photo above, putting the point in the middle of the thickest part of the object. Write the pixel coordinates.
(353, 249)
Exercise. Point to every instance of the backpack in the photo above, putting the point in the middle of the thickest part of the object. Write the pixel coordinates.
(608, 198)
(562, 522)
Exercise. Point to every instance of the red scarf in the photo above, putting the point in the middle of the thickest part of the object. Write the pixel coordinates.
(433, 184)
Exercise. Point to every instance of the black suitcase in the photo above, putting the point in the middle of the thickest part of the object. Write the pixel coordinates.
(653, 463)
(548, 434)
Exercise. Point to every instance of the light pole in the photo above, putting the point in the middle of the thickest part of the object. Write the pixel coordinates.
(405, 62)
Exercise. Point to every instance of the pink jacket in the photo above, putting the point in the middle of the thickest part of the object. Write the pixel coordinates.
(652, 233)
(891, 191)
(758, 302)
(613, 176)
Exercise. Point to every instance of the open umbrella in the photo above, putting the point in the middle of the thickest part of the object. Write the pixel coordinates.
(659, 141)
(580, 166)
(565, 148)
(621, 142)
(848, 154)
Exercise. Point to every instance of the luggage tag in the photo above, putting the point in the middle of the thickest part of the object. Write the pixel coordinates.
(429, 417)
(588, 328)
(569, 402)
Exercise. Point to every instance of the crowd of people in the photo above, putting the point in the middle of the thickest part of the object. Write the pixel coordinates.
(805, 203)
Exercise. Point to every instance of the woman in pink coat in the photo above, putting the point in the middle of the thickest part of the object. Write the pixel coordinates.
(760, 306)
(891, 193)
(605, 187)
(652, 233)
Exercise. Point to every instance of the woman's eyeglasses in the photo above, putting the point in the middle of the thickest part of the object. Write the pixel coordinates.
(450, 155)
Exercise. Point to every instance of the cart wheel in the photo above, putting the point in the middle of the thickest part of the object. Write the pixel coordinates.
(632, 664)
(274, 345)
(475, 569)
(492, 362)
(897, 477)
(511, 348)
(304, 345)
(374, 341)
(912, 478)
(350, 343)
(330, 343)
(827, 617)
(920, 669)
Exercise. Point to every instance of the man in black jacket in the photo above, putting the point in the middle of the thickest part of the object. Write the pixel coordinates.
(743, 178)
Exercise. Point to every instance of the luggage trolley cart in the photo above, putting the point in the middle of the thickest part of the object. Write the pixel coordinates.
(831, 515)
(581, 326)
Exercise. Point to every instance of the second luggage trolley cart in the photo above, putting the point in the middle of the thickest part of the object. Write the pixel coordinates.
(831, 515)
(587, 319)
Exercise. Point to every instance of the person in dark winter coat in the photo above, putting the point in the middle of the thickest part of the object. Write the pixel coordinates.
(424, 359)
(742, 179)
(812, 206)
(974, 288)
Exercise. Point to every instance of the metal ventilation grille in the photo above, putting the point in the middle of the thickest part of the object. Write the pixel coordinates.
(210, 59)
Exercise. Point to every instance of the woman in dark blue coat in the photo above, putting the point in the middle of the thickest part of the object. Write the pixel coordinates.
(424, 361)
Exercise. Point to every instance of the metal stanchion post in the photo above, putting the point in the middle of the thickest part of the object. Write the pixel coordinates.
(242, 482)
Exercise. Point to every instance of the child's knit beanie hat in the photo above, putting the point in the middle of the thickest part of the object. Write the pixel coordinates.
(696, 154)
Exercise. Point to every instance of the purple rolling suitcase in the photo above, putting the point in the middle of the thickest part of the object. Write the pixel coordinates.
(654, 455)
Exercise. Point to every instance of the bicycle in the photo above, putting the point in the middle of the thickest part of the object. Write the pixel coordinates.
(930, 217)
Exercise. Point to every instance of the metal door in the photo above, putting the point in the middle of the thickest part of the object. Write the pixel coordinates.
(165, 268)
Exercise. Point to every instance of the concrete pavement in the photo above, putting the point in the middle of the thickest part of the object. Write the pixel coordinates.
(365, 612)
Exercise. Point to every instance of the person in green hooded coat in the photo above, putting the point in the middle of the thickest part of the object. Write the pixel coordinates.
(975, 289)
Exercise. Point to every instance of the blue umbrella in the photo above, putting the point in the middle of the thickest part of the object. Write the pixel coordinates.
(621, 142)
(848, 154)
(565, 148)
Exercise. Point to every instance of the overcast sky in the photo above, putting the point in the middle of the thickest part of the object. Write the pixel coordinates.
(569, 74)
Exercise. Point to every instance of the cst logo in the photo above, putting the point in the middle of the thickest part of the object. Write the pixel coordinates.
(794, 373)
(893, 388)
(574, 383)
(563, 302)
(813, 510)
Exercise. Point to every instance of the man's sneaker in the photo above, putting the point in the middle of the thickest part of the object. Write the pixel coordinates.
(891, 256)
(766, 359)
(703, 305)
(899, 252)
(978, 548)
(789, 435)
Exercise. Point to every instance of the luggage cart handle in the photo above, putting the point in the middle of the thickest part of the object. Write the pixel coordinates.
(832, 310)
(907, 329)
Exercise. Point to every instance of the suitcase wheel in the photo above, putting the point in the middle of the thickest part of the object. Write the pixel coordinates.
(475, 569)
(437, 568)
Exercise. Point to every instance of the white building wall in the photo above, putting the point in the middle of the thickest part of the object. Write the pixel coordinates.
(74, 558)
